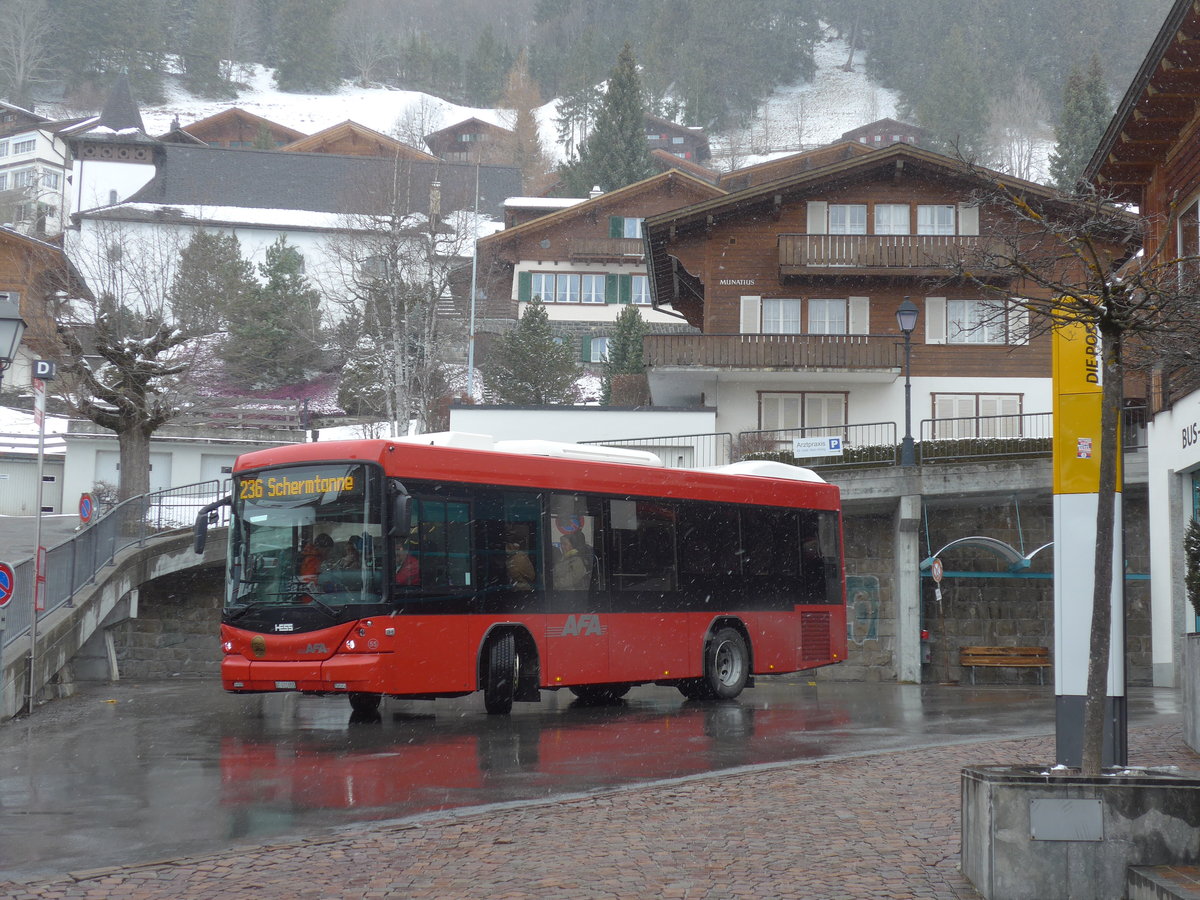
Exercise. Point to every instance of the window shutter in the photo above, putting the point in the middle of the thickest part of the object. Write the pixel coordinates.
(818, 215)
(858, 319)
(935, 320)
(611, 287)
(524, 286)
(968, 219)
(616, 226)
(1018, 323)
(585, 349)
(625, 289)
(751, 318)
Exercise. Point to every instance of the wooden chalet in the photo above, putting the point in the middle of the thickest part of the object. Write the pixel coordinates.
(882, 132)
(664, 161)
(236, 128)
(1149, 157)
(585, 259)
(351, 139)
(469, 141)
(794, 285)
(686, 143)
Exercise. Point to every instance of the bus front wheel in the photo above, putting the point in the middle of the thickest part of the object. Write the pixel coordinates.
(500, 675)
(364, 703)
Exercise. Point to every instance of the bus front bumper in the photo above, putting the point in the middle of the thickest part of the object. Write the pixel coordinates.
(358, 672)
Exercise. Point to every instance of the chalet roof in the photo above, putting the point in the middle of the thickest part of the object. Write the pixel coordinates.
(470, 124)
(674, 127)
(236, 114)
(792, 164)
(665, 159)
(623, 196)
(1158, 105)
(884, 124)
(317, 182)
(384, 145)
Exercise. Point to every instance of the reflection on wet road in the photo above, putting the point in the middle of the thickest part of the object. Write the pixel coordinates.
(143, 771)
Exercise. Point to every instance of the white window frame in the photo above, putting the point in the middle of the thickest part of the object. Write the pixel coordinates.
(3, 181)
(546, 280)
(975, 321)
(3, 148)
(591, 287)
(892, 218)
(964, 415)
(847, 218)
(598, 351)
(26, 145)
(566, 287)
(933, 219)
(782, 315)
(640, 290)
(631, 227)
(802, 408)
(828, 316)
(24, 178)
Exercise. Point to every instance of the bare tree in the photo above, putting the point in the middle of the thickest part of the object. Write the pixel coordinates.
(24, 48)
(367, 46)
(418, 119)
(123, 363)
(1070, 260)
(521, 101)
(1016, 128)
(392, 269)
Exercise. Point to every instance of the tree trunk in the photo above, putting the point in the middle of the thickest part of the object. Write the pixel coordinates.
(134, 477)
(1095, 704)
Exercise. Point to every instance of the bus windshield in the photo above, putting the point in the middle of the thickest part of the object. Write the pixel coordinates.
(306, 534)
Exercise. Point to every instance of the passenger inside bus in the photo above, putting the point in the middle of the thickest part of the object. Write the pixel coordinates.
(313, 556)
(573, 572)
(408, 568)
(521, 573)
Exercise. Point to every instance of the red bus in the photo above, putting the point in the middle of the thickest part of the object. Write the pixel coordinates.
(429, 567)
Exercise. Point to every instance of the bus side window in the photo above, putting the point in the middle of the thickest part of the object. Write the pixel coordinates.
(643, 542)
(709, 543)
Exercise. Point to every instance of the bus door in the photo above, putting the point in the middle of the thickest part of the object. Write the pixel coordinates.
(577, 622)
(650, 637)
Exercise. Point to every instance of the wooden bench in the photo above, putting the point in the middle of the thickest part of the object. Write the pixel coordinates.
(1016, 657)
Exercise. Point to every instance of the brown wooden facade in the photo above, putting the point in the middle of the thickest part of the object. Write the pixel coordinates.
(687, 143)
(793, 164)
(1149, 156)
(37, 272)
(731, 263)
(470, 141)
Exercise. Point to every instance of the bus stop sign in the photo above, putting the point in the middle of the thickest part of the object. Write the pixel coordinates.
(8, 584)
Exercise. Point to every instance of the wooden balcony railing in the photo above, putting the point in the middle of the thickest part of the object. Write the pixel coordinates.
(800, 253)
(606, 248)
(770, 351)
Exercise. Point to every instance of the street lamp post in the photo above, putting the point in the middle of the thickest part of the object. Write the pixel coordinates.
(12, 327)
(906, 318)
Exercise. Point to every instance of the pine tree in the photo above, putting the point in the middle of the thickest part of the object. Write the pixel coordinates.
(1085, 115)
(529, 367)
(306, 45)
(521, 98)
(614, 154)
(274, 336)
(624, 350)
(212, 279)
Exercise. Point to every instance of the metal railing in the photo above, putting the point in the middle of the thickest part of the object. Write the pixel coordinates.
(975, 437)
(681, 451)
(869, 444)
(72, 564)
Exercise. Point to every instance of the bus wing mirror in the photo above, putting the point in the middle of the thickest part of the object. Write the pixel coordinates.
(401, 514)
(207, 516)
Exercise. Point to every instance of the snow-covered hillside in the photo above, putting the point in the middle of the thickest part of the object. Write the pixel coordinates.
(804, 114)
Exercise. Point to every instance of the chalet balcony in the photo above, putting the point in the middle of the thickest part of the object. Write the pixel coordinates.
(621, 249)
(845, 352)
(872, 254)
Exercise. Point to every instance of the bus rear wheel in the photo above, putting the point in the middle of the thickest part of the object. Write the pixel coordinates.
(726, 664)
(500, 675)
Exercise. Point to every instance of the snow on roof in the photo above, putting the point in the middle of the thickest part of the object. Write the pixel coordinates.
(543, 202)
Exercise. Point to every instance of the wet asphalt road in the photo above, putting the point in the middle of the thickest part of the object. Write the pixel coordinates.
(140, 771)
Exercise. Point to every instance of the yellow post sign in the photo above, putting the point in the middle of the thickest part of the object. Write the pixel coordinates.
(1077, 396)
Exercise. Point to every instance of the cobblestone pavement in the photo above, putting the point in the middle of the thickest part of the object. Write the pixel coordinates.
(872, 826)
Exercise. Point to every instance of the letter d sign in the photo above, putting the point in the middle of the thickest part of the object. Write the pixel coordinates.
(43, 369)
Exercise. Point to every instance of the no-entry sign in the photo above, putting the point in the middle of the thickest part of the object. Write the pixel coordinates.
(8, 584)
